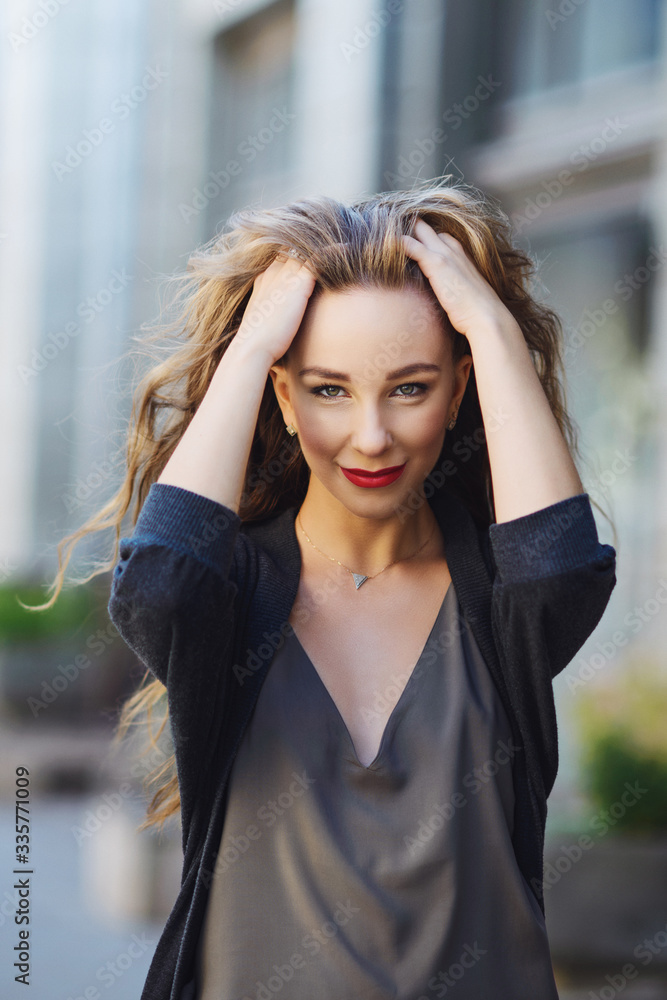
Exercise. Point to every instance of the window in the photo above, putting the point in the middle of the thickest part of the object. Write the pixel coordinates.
(549, 43)
(601, 282)
(251, 115)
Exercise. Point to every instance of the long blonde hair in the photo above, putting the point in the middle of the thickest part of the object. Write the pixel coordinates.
(346, 245)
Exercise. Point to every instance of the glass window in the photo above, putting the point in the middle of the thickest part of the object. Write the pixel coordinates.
(251, 112)
(601, 284)
(619, 33)
(554, 42)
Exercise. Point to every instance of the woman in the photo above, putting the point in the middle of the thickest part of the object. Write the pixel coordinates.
(363, 553)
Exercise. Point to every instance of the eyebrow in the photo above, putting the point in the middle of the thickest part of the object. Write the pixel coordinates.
(418, 366)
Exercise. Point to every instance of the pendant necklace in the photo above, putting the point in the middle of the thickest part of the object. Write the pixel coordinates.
(359, 578)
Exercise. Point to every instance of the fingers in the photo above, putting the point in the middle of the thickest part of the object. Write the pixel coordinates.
(429, 256)
(285, 273)
(292, 266)
(426, 236)
(412, 247)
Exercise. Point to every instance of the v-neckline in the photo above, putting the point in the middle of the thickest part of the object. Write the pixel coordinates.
(408, 684)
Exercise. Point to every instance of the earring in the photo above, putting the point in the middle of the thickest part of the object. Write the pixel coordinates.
(290, 429)
(452, 422)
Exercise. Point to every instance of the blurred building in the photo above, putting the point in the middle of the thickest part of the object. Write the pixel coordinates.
(131, 131)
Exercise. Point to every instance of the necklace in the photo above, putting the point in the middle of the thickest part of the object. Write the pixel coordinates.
(359, 578)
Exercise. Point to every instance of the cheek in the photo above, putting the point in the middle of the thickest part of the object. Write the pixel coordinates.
(428, 426)
(318, 433)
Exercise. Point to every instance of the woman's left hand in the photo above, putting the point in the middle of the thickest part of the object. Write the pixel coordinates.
(531, 466)
(464, 294)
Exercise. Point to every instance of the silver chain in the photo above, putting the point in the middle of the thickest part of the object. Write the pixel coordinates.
(359, 578)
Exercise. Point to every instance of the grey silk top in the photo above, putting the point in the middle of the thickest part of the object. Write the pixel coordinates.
(338, 881)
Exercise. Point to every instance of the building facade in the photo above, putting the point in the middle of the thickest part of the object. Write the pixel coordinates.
(130, 133)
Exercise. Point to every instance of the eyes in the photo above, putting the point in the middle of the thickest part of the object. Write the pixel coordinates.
(410, 390)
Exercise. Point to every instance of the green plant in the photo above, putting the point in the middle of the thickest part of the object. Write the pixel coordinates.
(623, 723)
(67, 615)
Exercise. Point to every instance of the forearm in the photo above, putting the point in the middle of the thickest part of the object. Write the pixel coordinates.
(531, 467)
(212, 456)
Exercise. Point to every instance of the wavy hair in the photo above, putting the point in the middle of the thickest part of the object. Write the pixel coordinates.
(347, 246)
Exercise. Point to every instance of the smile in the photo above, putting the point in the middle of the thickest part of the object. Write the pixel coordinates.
(381, 478)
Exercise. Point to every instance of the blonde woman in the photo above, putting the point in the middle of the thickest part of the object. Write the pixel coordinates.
(362, 552)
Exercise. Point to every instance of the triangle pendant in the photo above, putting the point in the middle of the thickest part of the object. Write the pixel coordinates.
(359, 579)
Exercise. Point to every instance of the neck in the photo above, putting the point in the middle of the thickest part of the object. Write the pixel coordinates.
(365, 542)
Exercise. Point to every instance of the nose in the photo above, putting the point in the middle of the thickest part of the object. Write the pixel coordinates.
(371, 434)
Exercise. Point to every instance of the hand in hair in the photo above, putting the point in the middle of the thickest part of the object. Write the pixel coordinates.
(531, 465)
(276, 307)
(208, 459)
(466, 296)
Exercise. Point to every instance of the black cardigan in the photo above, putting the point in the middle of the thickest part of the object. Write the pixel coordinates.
(203, 600)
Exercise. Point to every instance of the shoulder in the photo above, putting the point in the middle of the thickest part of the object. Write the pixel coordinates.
(214, 533)
(273, 541)
(271, 531)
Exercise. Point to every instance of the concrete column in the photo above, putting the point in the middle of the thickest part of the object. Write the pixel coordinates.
(338, 51)
(23, 70)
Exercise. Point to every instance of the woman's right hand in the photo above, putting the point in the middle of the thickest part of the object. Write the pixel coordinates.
(276, 307)
(208, 459)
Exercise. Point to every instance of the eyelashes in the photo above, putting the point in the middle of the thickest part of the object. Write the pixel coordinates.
(419, 390)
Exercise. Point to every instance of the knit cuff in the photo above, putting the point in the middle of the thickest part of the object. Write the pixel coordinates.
(190, 523)
(553, 540)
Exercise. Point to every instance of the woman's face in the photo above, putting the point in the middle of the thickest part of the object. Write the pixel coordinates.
(370, 384)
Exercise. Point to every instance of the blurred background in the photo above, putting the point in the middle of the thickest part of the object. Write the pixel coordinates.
(129, 132)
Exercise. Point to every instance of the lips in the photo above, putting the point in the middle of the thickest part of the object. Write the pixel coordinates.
(383, 477)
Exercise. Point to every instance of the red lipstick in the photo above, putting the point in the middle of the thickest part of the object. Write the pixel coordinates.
(383, 477)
